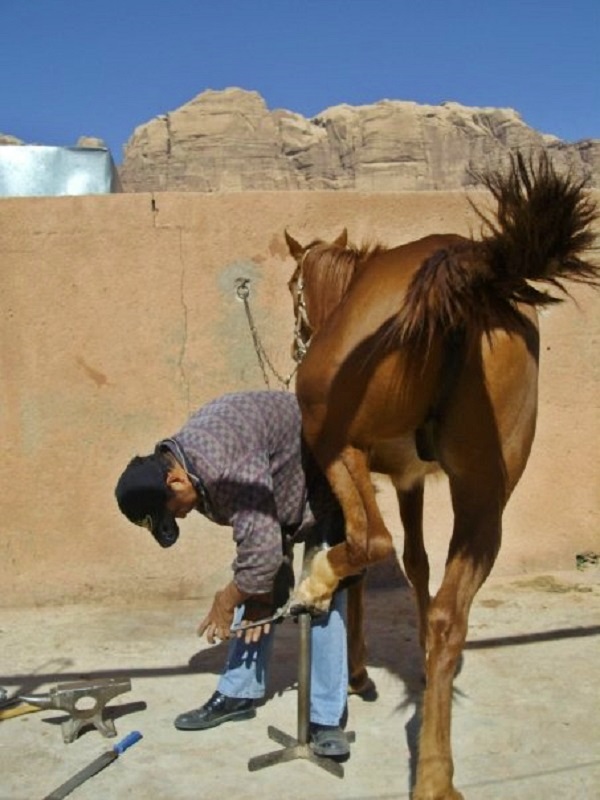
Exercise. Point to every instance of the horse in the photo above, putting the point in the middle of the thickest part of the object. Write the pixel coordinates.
(322, 284)
(424, 358)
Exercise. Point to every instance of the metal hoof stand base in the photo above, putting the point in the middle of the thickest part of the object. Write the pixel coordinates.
(294, 748)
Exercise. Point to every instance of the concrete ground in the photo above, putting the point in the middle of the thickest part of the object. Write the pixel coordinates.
(526, 721)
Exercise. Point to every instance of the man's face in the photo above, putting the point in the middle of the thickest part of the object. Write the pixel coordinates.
(184, 496)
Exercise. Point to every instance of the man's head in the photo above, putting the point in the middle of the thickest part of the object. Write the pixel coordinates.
(152, 491)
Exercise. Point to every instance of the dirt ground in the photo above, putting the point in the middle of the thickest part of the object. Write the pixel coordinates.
(526, 721)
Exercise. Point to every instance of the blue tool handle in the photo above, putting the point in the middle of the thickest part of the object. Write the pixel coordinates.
(126, 742)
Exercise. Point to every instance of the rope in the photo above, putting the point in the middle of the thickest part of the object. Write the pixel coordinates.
(242, 286)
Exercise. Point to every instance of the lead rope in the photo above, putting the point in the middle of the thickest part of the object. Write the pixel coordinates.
(242, 286)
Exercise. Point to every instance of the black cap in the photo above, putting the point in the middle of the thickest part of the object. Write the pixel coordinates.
(142, 495)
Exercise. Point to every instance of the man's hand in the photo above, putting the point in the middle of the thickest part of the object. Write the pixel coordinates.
(252, 635)
(256, 607)
(217, 622)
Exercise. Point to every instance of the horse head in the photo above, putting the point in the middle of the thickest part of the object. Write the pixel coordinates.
(318, 283)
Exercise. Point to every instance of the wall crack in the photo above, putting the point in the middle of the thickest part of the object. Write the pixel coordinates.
(185, 315)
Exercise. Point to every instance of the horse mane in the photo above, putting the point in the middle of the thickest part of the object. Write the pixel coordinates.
(328, 270)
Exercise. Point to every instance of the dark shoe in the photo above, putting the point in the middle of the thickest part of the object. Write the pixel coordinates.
(215, 711)
(329, 741)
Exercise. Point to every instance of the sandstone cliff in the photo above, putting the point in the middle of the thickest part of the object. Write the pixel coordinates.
(230, 141)
(6, 138)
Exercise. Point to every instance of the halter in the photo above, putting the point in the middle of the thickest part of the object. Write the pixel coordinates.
(301, 344)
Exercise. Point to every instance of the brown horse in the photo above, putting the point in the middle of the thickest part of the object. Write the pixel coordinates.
(425, 357)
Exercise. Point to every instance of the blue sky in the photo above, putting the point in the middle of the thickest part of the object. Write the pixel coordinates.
(70, 68)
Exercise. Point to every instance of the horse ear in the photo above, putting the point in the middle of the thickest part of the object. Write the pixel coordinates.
(296, 249)
(342, 239)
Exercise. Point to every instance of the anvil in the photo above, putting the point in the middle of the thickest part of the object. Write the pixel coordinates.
(84, 701)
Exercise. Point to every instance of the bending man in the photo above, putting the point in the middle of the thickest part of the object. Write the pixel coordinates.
(240, 462)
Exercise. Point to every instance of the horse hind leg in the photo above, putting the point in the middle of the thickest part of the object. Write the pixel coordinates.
(416, 566)
(415, 560)
(358, 677)
(367, 538)
(473, 549)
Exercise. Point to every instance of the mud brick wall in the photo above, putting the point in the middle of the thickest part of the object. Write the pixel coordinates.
(120, 317)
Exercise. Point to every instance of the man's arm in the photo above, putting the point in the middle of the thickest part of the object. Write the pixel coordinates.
(250, 507)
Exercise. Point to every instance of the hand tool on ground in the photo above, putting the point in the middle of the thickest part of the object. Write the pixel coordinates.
(12, 705)
(94, 766)
(84, 701)
(16, 709)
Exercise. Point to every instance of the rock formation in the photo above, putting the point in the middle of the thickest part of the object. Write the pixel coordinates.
(6, 138)
(230, 141)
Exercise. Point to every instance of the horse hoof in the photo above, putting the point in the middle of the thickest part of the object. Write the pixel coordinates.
(450, 794)
(367, 691)
(298, 607)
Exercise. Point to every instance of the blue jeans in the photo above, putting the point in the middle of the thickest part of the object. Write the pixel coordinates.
(246, 670)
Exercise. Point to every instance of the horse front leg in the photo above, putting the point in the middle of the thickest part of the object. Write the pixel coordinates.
(367, 538)
(473, 549)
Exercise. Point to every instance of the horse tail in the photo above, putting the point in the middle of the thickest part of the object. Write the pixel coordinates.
(541, 231)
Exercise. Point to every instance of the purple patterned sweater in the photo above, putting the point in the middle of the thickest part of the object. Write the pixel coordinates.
(246, 451)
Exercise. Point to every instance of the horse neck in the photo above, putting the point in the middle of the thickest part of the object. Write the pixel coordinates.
(326, 282)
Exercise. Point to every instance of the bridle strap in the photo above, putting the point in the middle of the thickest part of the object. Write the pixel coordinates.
(301, 344)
